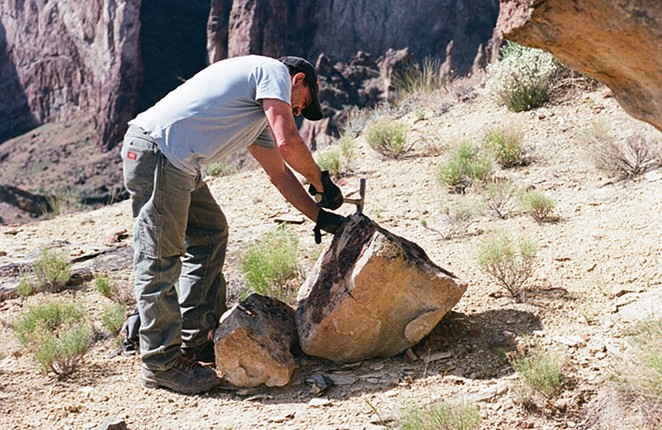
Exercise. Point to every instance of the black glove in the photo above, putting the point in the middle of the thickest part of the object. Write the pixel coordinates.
(329, 222)
(331, 197)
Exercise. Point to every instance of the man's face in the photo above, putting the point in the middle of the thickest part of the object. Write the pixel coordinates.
(301, 95)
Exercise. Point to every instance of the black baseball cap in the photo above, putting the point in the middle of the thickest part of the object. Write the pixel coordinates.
(313, 111)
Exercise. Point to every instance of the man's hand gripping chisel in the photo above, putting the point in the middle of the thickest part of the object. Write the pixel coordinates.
(358, 202)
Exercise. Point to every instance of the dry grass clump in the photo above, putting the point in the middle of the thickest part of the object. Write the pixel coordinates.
(641, 369)
(537, 204)
(510, 262)
(271, 263)
(439, 416)
(541, 373)
(338, 158)
(388, 137)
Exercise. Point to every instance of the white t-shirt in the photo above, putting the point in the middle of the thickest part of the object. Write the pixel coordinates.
(217, 112)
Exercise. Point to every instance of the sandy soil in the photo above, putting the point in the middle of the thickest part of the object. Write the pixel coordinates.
(602, 254)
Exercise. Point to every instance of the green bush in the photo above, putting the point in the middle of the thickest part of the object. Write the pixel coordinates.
(25, 287)
(537, 204)
(523, 77)
(113, 317)
(506, 144)
(271, 262)
(465, 167)
(52, 270)
(388, 137)
(338, 158)
(441, 416)
(509, 262)
(540, 370)
(329, 159)
(104, 285)
(57, 334)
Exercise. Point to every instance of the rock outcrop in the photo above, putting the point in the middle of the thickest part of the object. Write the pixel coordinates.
(617, 43)
(372, 294)
(64, 60)
(253, 343)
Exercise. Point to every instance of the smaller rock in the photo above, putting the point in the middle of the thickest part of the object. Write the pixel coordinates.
(571, 341)
(253, 343)
(112, 423)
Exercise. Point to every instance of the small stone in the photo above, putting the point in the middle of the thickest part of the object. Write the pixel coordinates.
(318, 402)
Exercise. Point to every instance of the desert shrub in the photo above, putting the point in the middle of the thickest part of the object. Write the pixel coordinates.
(537, 204)
(640, 370)
(523, 77)
(220, 169)
(441, 416)
(421, 78)
(508, 261)
(271, 262)
(459, 217)
(25, 287)
(52, 271)
(57, 334)
(541, 370)
(499, 197)
(113, 317)
(388, 137)
(104, 285)
(337, 159)
(626, 159)
(465, 167)
(506, 145)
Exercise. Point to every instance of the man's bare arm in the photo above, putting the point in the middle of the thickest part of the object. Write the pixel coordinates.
(291, 146)
(283, 178)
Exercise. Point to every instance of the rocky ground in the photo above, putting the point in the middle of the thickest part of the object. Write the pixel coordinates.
(599, 268)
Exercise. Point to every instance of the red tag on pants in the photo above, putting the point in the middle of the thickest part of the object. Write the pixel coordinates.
(131, 155)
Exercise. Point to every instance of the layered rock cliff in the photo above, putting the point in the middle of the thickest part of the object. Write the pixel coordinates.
(63, 60)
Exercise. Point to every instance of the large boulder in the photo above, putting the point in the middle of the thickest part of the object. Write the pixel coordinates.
(372, 294)
(616, 42)
(253, 343)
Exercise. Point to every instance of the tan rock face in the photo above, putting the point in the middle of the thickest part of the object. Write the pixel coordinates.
(372, 294)
(253, 342)
(616, 42)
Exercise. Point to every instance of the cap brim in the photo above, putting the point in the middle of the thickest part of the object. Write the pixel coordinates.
(314, 111)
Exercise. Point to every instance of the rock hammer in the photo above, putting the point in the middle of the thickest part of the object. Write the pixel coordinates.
(361, 200)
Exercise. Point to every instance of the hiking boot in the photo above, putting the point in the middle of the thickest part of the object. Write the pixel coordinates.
(204, 354)
(185, 376)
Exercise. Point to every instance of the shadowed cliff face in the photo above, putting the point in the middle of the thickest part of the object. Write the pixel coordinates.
(15, 115)
(173, 41)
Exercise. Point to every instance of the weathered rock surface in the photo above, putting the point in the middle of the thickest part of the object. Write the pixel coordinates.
(616, 42)
(62, 60)
(342, 28)
(372, 294)
(253, 343)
